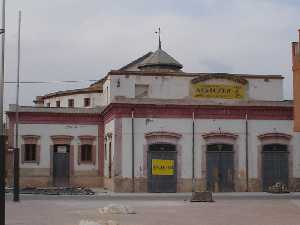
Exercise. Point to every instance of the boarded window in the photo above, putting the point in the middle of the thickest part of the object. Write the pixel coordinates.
(86, 153)
(141, 90)
(71, 103)
(30, 153)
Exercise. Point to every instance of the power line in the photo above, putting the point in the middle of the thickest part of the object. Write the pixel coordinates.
(50, 82)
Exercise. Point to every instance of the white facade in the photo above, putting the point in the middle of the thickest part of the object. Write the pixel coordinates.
(178, 87)
(96, 99)
(45, 131)
(203, 126)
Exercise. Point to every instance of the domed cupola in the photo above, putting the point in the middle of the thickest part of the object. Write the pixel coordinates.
(160, 60)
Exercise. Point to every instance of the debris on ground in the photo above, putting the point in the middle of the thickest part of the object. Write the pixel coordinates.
(55, 191)
(88, 222)
(201, 196)
(278, 188)
(116, 209)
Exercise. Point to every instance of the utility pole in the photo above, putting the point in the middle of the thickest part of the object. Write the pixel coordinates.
(2, 132)
(16, 149)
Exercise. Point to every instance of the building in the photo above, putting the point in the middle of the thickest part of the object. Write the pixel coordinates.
(151, 127)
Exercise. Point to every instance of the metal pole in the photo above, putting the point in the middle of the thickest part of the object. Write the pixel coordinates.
(132, 140)
(16, 149)
(193, 155)
(2, 133)
(2, 70)
(247, 160)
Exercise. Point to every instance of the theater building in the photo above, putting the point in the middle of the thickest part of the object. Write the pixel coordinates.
(151, 127)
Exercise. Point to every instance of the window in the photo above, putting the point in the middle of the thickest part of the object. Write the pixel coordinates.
(30, 153)
(141, 90)
(71, 103)
(48, 104)
(57, 103)
(87, 102)
(86, 153)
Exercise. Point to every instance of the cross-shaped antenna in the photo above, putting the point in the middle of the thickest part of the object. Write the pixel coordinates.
(159, 41)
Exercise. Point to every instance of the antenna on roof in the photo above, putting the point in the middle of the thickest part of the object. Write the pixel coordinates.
(159, 41)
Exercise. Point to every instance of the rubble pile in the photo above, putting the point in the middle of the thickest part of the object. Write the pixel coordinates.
(116, 209)
(56, 191)
(87, 222)
(278, 188)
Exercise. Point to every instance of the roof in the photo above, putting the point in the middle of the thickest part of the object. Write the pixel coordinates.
(134, 64)
(184, 74)
(203, 102)
(161, 59)
(34, 109)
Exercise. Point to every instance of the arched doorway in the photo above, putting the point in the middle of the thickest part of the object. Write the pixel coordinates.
(275, 166)
(162, 168)
(220, 167)
(275, 159)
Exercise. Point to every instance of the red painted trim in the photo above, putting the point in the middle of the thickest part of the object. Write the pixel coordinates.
(163, 134)
(53, 118)
(87, 138)
(119, 110)
(274, 135)
(220, 134)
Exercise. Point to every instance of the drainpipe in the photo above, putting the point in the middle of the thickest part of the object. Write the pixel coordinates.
(247, 160)
(193, 153)
(132, 141)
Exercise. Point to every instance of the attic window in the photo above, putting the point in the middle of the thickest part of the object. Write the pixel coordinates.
(141, 90)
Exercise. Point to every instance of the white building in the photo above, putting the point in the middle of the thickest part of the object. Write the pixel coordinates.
(150, 127)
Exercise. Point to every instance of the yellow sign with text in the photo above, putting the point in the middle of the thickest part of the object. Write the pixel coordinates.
(162, 167)
(204, 90)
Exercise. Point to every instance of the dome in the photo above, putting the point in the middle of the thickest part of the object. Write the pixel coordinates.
(160, 60)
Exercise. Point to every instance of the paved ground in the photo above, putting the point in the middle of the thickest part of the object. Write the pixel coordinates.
(229, 209)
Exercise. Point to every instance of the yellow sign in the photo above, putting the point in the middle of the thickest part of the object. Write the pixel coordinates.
(162, 167)
(204, 90)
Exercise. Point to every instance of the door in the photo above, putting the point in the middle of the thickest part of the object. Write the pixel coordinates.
(162, 168)
(274, 165)
(61, 165)
(220, 168)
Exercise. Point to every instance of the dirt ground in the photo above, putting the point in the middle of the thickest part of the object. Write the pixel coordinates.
(157, 212)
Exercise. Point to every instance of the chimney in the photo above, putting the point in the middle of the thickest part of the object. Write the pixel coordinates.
(294, 50)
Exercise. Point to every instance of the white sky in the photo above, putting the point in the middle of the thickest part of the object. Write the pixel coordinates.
(83, 40)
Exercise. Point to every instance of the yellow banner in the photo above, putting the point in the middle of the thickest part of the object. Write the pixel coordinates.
(162, 167)
(203, 90)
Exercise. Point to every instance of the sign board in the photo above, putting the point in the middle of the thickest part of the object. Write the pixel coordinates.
(223, 91)
(61, 149)
(162, 167)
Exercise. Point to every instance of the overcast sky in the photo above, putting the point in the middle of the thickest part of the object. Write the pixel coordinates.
(83, 40)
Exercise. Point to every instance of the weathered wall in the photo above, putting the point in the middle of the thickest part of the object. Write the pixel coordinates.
(39, 174)
(203, 126)
(96, 100)
(178, 87)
